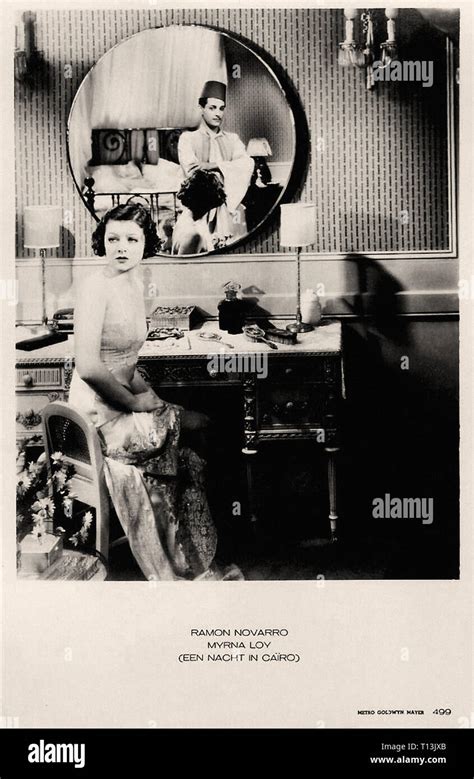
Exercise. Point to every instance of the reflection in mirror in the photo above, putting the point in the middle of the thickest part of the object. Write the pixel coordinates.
(193, 123)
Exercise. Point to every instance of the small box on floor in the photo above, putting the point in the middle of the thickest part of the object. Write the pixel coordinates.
(37, 554)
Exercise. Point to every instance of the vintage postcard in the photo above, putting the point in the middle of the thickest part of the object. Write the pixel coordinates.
(237, 302)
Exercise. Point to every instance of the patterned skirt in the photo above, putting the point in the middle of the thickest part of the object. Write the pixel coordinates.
(161, 500)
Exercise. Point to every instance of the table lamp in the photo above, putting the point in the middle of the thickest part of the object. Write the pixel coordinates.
(298, 229)
(42, 225)
(259, 149)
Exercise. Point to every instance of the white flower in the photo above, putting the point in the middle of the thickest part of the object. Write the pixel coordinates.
(57, 457)
(87, 520)
(33, 469)
(60, 478)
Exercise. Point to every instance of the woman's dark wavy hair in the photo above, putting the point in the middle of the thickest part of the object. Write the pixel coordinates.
(128, 212)
(200, 192)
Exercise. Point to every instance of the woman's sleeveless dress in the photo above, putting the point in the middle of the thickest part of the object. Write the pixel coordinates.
(156, 486)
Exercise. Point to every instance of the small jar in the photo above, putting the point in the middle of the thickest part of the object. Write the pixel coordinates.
(311, 310)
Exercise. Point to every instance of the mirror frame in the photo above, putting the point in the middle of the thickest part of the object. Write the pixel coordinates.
(300, 129)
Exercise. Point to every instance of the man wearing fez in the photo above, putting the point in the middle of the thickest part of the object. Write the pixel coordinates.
(212, 149)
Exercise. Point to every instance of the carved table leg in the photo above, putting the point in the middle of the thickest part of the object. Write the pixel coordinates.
(250, 433)
(250, 489)
(331, 452)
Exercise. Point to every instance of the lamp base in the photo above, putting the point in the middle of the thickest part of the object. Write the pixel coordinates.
(299, 327)
(42, 328)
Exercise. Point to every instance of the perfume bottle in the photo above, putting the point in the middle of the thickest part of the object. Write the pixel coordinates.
(231, 309)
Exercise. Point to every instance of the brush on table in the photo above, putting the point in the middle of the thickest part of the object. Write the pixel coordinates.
(281, 336)
(256, 334)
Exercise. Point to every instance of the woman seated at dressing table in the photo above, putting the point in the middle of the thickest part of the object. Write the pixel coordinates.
(156, 484)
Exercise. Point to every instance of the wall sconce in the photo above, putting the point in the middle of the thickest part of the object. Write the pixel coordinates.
(259, 149)
(350, 52)
(26, 56)
(389, 47)
(353, 53)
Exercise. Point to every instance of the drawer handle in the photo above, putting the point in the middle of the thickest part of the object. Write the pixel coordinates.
(288, 371)
(290, 407)
(28, 380)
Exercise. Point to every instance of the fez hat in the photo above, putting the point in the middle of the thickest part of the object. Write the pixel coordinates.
(214, 89)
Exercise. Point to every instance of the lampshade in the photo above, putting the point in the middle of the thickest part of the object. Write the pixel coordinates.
(42, 225)
(259, 147)
(298, 224)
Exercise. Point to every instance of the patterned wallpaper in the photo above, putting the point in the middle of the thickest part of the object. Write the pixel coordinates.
(377, 162)
(256, 107)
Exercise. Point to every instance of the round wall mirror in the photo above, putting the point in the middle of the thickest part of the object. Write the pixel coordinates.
(191, 122)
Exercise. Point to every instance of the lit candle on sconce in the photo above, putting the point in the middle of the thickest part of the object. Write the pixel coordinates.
(350, 14)
(350, 52)
(391, 14)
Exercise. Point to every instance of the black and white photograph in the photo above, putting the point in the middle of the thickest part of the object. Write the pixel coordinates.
(233, 321)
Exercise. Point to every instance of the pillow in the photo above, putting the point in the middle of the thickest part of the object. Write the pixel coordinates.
(164, 177)
(116, 178)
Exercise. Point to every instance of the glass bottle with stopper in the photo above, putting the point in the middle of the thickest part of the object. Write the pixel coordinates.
(231, 309)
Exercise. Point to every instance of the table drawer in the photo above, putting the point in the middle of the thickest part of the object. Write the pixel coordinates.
(291, 406)
(189, 372)
(296, 371)
(51, 377)
(28, 410)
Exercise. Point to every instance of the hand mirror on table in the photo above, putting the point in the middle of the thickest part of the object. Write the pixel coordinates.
(161, 333)
(209, 335)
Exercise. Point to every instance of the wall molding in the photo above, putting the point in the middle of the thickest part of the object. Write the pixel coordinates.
(51, 262)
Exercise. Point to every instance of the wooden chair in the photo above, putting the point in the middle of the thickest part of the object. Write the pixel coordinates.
(67, 431)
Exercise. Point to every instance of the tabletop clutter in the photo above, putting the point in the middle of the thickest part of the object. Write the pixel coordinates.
(171, 322)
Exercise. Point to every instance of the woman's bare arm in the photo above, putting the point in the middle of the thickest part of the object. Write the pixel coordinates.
(138, 384)
(89, 312)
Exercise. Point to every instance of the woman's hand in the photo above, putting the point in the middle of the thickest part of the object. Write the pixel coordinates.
(147, 401)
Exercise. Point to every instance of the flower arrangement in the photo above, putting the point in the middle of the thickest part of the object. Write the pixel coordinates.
(45, 499)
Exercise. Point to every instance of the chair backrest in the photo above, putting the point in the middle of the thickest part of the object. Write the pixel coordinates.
(66, 430)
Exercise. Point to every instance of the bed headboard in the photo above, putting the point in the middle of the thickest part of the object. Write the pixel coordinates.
(144, 146)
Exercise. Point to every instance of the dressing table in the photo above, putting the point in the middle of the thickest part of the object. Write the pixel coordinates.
(290, 393)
